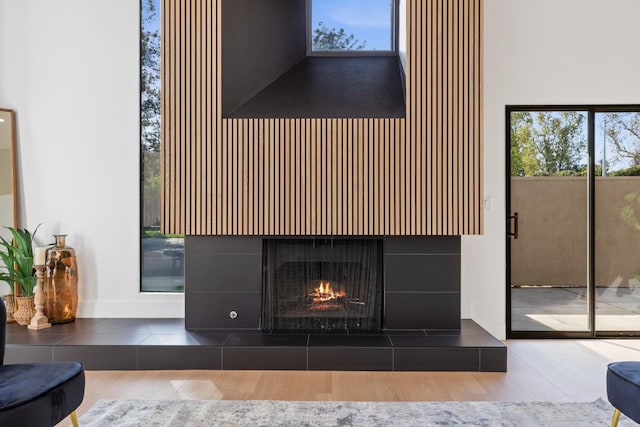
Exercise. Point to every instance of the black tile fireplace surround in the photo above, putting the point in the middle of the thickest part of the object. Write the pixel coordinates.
(421, 325)
(223, 282)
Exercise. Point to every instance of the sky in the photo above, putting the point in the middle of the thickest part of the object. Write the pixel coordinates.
(368, 20)
(604, 145)
(148, 24)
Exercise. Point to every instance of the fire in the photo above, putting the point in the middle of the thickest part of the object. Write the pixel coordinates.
(325, 297)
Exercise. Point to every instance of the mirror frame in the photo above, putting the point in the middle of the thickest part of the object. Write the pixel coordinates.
(13, 145)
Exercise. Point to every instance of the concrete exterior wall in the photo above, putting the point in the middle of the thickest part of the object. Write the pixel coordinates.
(551, 248)
(617, 243)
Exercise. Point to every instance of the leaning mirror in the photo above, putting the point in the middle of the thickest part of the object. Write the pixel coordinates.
(8, 196)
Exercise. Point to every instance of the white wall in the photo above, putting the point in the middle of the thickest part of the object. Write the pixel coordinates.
(402, 33)
(70, 70)
(540, 52)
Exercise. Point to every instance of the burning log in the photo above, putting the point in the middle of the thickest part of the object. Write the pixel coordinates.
(325, 298)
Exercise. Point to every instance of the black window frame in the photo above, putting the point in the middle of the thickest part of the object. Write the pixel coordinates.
(179, 262)
(591, 110)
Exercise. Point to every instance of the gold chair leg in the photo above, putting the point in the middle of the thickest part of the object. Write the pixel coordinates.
(614, 421)
(74, 419)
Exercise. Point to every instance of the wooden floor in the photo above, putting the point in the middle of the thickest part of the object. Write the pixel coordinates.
(539, 370)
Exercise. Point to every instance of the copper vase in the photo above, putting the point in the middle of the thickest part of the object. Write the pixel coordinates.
(61, 283)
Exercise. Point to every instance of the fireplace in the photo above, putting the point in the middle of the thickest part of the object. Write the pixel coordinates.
(405, 283)
(333, 303)
(322, 284)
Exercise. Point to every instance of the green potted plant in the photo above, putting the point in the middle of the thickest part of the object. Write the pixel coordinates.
(17, 257)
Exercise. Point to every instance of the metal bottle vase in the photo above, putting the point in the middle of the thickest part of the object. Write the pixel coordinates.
(61, 283)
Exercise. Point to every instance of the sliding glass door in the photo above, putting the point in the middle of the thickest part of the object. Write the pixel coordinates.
(617, 222)
(549, 210)
(573, 221)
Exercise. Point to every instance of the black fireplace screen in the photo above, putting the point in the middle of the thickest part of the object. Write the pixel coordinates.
(322, 284)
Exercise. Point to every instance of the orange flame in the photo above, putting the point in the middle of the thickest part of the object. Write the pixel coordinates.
(324, 292)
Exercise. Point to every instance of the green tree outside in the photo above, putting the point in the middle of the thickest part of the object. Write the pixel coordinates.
(524, 161)
(623, 131)
(150, 112)
(547, 143)
(325, 38)
(554, 144)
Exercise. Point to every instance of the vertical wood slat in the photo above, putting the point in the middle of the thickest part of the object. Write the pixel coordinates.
(410, 153)
(218, 126)
(479, 66)
(439, 118)
(416, 176)
(208, 156)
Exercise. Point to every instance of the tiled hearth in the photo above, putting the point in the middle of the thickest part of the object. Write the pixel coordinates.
(130, 344)
(420, 330)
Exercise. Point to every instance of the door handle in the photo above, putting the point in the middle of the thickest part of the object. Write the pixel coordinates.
(513, 217)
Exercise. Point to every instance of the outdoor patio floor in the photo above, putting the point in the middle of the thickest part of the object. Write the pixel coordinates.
(565, 309)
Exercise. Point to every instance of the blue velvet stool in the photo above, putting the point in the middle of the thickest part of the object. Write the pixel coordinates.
(623, 390)
(38, 394)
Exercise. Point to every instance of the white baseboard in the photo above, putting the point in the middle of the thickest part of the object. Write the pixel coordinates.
(145, 306)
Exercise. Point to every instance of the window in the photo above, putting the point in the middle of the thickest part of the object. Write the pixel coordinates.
(162, 256)
(352, 26)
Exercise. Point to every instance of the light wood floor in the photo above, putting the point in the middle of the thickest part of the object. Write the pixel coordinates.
(539, 370)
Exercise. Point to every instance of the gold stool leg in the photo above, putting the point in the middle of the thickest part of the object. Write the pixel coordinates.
(74, 419)
(614, 421)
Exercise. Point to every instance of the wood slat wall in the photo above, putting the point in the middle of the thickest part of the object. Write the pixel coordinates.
(421, 175)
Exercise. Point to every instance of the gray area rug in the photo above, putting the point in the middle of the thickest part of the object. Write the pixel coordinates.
(293, 413)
